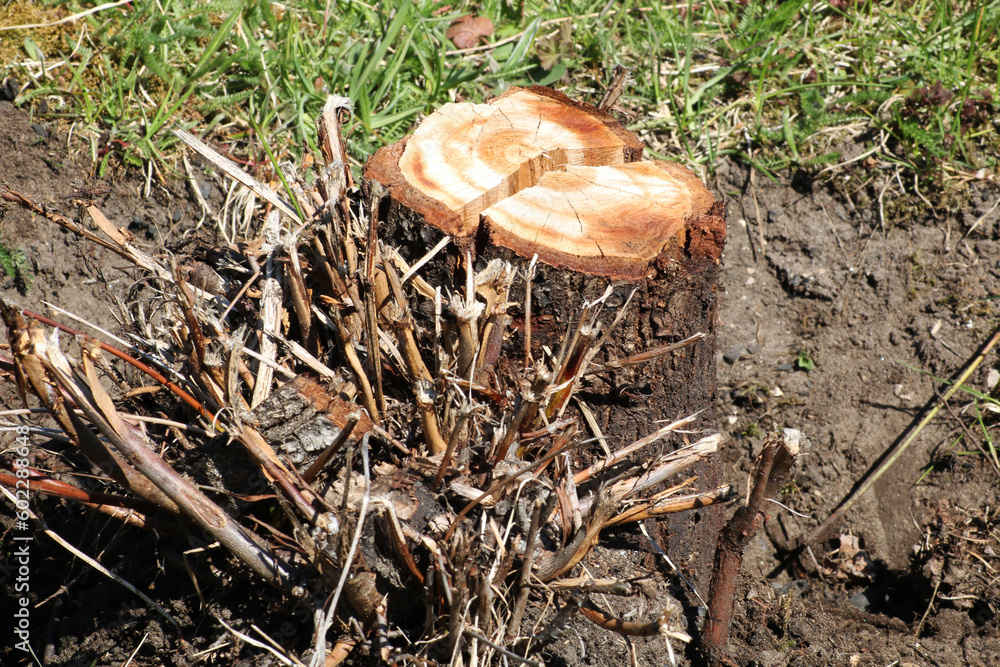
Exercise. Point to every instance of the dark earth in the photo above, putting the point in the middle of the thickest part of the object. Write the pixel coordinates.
(837, 326)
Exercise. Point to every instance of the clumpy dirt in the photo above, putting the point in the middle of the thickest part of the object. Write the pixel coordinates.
(819, 328)
(864, 303)
(37, 162)
(32, 160)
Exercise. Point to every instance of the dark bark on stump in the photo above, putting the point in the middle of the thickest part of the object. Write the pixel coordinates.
(677, 293)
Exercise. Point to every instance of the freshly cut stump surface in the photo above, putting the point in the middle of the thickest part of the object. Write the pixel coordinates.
(532, 172)
(537, 173)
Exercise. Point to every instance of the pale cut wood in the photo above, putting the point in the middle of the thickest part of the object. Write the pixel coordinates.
(270, 310)
(624, 215)
(471, 156)
(537, 173)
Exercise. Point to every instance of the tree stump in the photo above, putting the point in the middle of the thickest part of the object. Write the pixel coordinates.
(530, 173)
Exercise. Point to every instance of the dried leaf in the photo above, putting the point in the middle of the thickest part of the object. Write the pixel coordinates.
(467, 31)
(553, 50)
(849, 546)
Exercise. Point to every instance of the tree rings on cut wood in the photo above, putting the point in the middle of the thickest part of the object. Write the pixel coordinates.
(537, 173)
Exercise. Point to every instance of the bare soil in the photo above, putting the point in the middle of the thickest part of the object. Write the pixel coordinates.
(834, 286)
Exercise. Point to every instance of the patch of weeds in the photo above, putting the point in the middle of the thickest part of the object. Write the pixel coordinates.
(787, 645)
(753, 430)
(918, 270)
(790, 488)
(555, 50)
(751, 394)
(804, 361)
(928, 129)
(15, 264)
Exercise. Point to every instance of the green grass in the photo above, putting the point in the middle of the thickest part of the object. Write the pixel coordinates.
(907, 85)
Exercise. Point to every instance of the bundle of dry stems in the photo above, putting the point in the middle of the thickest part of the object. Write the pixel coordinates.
(403, 467)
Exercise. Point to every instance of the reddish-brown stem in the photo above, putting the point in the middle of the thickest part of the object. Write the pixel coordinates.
(148, 370)
(569, 374)
(769, 472)
(54, 487)
(133, 511)
(627, 628)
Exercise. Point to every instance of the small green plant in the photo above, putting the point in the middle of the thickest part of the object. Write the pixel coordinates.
(15, 264)
(804, 361)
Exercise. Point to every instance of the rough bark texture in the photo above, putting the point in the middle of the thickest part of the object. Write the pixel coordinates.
(676, 284)
(302, 417)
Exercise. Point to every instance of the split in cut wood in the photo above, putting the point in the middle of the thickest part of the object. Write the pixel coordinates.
(541, 174)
